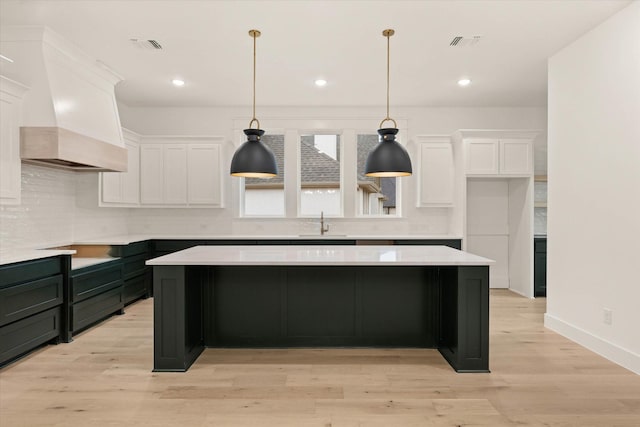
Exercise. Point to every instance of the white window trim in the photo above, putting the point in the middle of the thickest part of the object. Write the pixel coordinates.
(301, 133)
(293, 128)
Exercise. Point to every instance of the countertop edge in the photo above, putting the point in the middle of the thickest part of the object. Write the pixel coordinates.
(128, 239)
(312, 255)
(32, 254)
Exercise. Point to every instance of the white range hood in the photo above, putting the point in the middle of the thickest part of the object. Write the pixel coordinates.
(70, 117)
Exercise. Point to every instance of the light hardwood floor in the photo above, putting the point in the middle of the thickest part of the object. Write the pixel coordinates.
(104, 378)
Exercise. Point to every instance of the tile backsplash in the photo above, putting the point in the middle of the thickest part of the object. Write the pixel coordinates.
(540, 212)
(57, 208)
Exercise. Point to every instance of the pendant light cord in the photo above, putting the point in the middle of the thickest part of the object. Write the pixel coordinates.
(388, 33)
(255, 34)
(388, 61)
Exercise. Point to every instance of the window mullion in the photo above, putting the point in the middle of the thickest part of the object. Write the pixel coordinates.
(349, 173)
(291, 164)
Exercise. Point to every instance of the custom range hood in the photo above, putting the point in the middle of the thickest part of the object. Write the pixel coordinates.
(69, 116)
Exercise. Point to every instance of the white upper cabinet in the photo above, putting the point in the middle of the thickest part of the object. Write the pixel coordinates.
(11, 94)
(176, 172)
(516, 157)
(482, 157)
(163, 174)
(151, 174)
(123, 188)
(436, 171)
(485, 156)
(204, 174)
(131, 178)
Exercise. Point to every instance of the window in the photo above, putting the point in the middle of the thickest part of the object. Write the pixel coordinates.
(376, 196)
(265, 197)
(320, 175)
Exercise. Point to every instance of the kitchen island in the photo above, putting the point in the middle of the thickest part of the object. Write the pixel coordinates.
(321, 296)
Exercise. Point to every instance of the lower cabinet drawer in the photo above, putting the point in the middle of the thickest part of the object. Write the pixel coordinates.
(134, 266)
(94, 282)
(137, 287)
(122, 251)
(91, 310)
(29, 270)
(26, 334)
(20, 301)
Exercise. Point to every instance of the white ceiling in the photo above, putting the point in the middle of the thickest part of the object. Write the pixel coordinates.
(206, 43)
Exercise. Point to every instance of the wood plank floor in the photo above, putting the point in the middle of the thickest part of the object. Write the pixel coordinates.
(104, 378)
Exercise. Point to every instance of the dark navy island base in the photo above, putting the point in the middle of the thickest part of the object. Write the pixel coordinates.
(251, 306)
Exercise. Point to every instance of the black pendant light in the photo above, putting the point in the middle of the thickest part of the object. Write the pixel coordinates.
(253, 159)
(389, 158)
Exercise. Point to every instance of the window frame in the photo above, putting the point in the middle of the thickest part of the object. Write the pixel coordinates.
(242, 183)
(301, 133)
(293, 129)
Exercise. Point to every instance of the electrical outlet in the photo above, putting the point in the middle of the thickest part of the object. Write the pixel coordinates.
(607, 316)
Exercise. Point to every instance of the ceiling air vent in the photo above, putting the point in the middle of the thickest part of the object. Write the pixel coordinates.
(465, 41)
(148, 44)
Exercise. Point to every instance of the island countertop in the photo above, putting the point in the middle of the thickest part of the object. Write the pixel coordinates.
(126, 239)
(322, 255)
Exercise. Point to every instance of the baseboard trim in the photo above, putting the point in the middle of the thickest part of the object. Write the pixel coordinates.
(515, 291)
(499, 283)
(613, 352)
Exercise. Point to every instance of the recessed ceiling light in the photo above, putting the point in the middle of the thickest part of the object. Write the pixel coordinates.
(178, 82)
(321, 82)
(464, 82)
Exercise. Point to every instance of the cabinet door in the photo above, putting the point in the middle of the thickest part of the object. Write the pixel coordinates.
(482, 156)
(151, 174)
(10, 167)
(204, 175)
(540, 274)
(436, 174)
(175, 174)
(111, 187)
(130, 180)
(516, 157)
(123, 188)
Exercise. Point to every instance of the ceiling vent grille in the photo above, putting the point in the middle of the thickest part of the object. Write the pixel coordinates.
(465, 41)
(147, 44)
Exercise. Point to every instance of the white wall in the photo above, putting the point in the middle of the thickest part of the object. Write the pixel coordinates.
(594, 189)
(58, 207)
(222, 121)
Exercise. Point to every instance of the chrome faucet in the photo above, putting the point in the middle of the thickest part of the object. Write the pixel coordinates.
(323, 228)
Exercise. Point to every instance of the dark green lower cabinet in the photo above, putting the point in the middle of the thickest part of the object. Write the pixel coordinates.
(96, 293)
(540, 266)
(137, 287)
(32, 296)
(321, 306)
(178, 333)
(464, 336)
(136, 276)
(24, 335)
(351, 306)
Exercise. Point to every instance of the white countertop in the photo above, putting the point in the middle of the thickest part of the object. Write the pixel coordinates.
(126, 239)
(321, 255)
(77, 263)
(20, 255)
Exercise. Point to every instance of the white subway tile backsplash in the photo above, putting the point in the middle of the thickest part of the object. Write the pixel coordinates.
(540, 213)
(540, 221)
(61, 207)
(45, 216)
(55, 210)
(540, 191)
